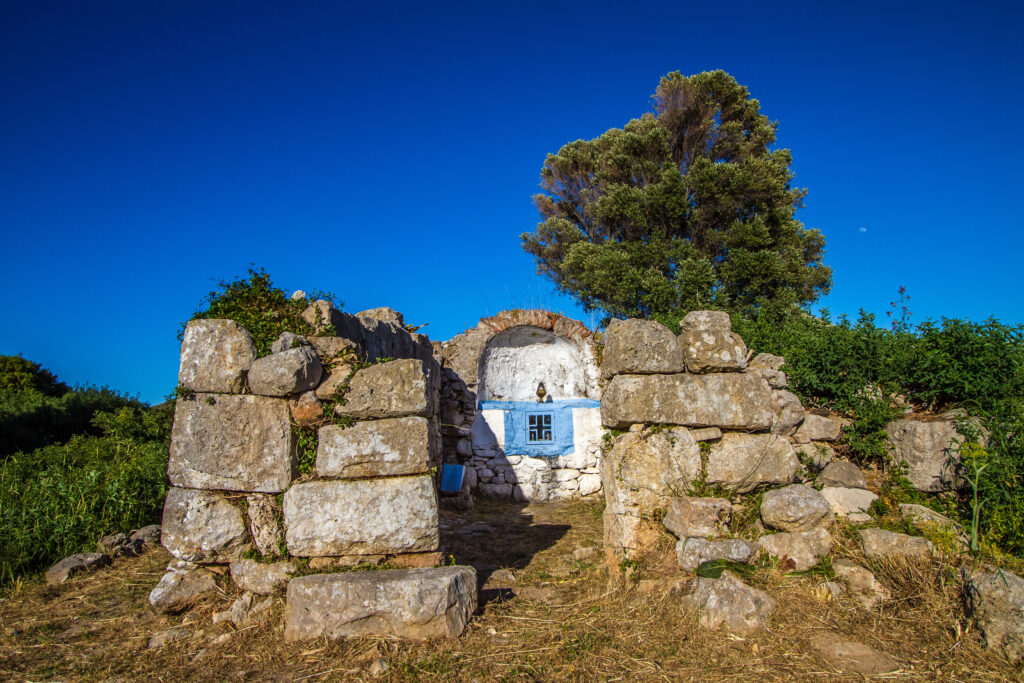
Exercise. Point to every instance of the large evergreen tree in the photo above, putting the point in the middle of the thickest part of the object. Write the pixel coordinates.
(687, 207)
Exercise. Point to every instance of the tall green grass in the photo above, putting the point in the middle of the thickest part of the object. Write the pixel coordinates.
(60, 499)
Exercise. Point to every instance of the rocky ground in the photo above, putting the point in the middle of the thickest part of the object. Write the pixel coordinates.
(549, 611)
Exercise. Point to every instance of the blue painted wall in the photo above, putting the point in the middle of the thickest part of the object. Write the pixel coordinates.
(517, 418)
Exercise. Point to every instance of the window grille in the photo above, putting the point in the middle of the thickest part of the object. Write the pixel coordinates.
(540, 429)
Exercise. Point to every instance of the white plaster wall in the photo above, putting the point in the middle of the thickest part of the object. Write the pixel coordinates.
(513, 475)
(516, 360)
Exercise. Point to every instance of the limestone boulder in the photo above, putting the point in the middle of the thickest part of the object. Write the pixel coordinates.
(178, 589)
(75, 564)
(640, 473)
(716, 321)
(288, 372)
(730, 401)
(743, 462)
(995, 600)
(843, 474)
(640, 347)
(767, 361)
(232, 443)
(846, 501)
(202, 526)
(361, 517)
(333, 383)
(333, 348)
(881, 543)
(306, 409)
(795, 508)
(849, 657)
(264, 526)
(644, 469)
(788, 412)
(261, 578)
(384, 314)
(692, 552)
(378, 448)
(286, 341)
(708, 350)
(730, 605)
(803, 549)
(404, 603)
(925, 518)
(818, 428)
(864, 587)
(215, 356)
(398, 388)
(928, 449)
(698, 517)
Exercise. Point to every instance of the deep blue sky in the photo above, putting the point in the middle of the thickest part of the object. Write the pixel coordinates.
(388, 154)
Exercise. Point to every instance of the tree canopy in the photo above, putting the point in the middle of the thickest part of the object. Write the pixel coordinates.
(687, 207)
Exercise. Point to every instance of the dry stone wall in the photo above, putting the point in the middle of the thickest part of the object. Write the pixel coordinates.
(245, 478)
(696, 414)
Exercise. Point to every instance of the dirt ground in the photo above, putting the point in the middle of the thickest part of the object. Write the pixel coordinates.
(548, 611)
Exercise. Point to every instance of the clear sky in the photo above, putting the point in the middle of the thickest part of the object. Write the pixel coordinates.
(388, 151)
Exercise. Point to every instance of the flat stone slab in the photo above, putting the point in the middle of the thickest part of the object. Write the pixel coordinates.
(362, 517)
(378, 448)
(201, 526)
(232, 443)
(880, 542)
(405, 603)
(69, 566)
(732, 401)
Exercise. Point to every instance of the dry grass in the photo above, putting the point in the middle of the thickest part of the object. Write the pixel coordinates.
(559, 619)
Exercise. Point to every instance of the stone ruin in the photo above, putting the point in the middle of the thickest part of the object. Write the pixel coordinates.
(653, 421)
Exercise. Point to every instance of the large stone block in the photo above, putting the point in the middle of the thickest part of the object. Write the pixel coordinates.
(394, 389)
(379, 448)
(995, 600)
(233, 443)
(404, 603)
(292, 371)
(728, 604)
(640, 347)
(202, 526)
(215, 356)
(927, 448)
(706, 350)
(361, 517)
(641, 473)
(795, 508)
(743, 462)
(732, 401)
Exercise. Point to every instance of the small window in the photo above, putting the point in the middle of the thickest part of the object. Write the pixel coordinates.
(539, 428)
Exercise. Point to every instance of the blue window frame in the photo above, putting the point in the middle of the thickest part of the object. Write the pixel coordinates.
(540, 428)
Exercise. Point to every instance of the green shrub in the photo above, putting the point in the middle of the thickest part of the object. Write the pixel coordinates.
(30, 419)
(60, 499)
(260, 307)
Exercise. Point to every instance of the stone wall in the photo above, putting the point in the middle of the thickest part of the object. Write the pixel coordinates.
(239, 478)
(491, 375)
(694, 412)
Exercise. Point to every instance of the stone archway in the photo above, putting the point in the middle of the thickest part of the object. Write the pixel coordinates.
(519, 447)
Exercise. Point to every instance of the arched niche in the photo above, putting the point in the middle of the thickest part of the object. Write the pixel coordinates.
(517, 359)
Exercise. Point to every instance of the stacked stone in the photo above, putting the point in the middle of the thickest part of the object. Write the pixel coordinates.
(458, 409)
(694, 387)
(372, 494)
